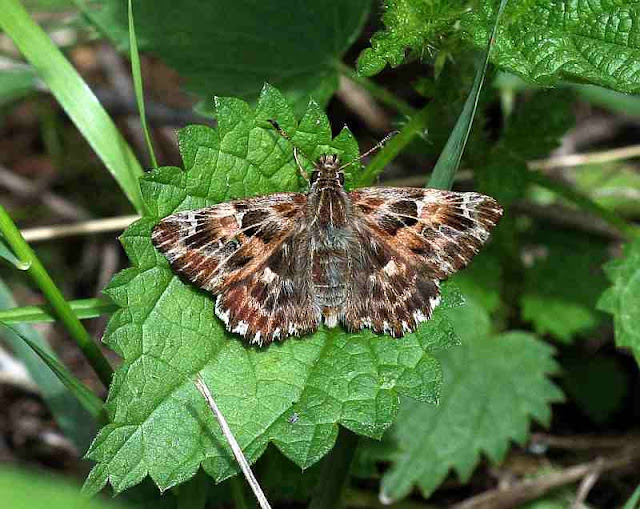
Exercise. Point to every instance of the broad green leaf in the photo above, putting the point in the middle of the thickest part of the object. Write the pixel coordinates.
(494, 385)
(75, 422)
(482, 280)
(621, 298)
(231, 48)
(21, 489)
(563, 283)
(75, 97)
(166, 331)
(539, 40)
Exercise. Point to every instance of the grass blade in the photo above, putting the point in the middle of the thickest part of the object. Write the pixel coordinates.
(74, 421)
(54, 296)
(7, 254)
(89, 401)
(137, 84)
(75, 97)
(82, 308)
(445, 169)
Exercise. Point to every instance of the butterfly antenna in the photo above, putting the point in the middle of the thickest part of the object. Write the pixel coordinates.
(296, 154)
(377, 146)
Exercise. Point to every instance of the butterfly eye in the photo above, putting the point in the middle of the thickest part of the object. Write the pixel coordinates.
(341, 178)
(314, 176)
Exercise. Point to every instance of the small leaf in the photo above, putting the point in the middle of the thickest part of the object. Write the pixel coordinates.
(166, 330)
(621, 298)
(7, 255)
(223, 49)
(562, 285)
(494, 385)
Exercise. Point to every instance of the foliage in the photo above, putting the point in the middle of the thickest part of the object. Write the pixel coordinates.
(246, 43)
(24, 490)
(539, 40)
(494, 384)
(559, 297)
(158, 421)
(621, 299)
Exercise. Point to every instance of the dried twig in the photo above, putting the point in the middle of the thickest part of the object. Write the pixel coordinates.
(84, 228)
(235, 448)
(605, 156)
(531, 489)
(585, 442)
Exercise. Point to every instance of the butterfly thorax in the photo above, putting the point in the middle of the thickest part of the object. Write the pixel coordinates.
(330, 234)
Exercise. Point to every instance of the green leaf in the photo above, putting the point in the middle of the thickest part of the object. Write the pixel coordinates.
(75, 97)
(224, 48)
(82, 308)
(542, 41)
(562, 286)
(493, 386)
(167, 332)
(545, 42)
(621, 298)
(409, 24)
(27, 490)
(76, 423)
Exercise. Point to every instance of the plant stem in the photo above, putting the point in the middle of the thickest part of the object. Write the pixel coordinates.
(57, 301)
(414, 127)
(382, 94)
(335, 472)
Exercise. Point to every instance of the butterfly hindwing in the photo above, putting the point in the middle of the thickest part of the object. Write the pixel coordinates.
(408, 240)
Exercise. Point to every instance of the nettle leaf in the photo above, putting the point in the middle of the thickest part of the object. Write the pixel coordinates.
(563, 283)
(166, 330)
(493, 386)
(621, 299)
(231, 48)
(409, 25)
(540, 40)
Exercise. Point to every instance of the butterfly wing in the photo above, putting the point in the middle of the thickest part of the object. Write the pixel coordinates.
(247, 253)
(407, 241)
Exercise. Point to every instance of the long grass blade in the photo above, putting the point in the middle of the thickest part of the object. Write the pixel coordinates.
(75, 97)
(82, 308)
(445, 169)
(89, 401)
(137, 85)
(77, 425)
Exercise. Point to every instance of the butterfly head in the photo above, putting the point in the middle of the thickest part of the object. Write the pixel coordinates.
(327, 172)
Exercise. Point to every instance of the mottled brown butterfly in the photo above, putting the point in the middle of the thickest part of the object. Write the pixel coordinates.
(282, 264)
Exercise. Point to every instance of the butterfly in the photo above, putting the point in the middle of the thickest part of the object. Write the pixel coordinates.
(282, 264)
